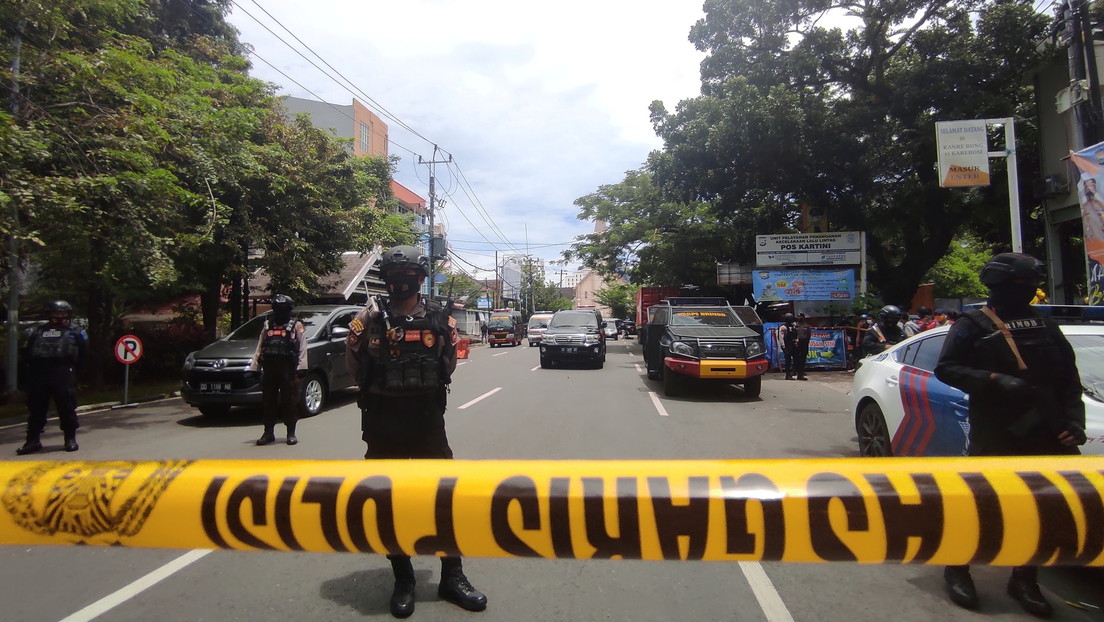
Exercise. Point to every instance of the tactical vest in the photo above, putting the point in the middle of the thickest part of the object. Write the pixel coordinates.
(280, 342)
(411, 357)
(54, 344)
(1035, 340)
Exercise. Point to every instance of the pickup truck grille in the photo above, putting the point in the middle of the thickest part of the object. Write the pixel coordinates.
(562, 340)
(714, 348)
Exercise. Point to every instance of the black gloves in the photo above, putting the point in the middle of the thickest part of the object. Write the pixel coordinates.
(1013, 388)
(1077, 433)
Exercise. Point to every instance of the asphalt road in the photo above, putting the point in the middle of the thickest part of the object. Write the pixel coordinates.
(512, 410)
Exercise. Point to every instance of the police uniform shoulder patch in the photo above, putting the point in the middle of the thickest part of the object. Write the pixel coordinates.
(452, 322)
(356, 326)
(455, 336)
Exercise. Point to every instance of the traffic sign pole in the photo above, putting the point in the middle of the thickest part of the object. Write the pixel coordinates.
(128, 349)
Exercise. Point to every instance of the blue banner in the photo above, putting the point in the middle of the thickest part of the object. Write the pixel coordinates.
(827, 347)
(834, 285)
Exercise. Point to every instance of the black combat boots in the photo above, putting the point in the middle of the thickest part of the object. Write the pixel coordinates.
(1024, 587)
(291, 438)
(31, 446)
(402, 599)
(71, 441)
(960, 586)
(456, 589)
(269, 436)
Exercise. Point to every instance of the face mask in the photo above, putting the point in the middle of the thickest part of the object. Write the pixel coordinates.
(402, 287)
(1012, 295)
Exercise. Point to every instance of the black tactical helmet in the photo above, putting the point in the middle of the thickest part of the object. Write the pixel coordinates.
(890, 311)
(59, 306)
(280, 301)
(1007, 267)
(787, 318)
(404, 257)
(923, 311)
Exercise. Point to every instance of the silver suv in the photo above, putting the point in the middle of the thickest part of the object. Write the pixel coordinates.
(574, 335)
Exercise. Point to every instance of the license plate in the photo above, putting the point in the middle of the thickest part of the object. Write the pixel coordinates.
(214, 387)
(570, 349)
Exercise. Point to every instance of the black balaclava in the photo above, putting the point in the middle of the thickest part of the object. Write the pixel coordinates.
(1012, 295)
(281, 314)
(402, 286)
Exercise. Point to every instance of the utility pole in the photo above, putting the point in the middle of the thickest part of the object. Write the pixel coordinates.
(14, 280)
(432, 204)
(1082, 67)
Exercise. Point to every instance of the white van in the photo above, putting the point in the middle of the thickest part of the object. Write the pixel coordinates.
(538, 323)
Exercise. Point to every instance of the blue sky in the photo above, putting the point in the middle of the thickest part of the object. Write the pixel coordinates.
(537, 103)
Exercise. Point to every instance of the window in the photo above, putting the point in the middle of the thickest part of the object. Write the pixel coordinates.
(365, 138)
(927, 353)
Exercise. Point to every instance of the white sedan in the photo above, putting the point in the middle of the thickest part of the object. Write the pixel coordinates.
(902, 409)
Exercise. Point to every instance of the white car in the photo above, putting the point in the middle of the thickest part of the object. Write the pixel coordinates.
(902, 409)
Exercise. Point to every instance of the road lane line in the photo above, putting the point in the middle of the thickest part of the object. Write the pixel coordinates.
(481, 397)
(657, 404)
(500, 354)
(769, 600)
(109, 602)
(535, 368)
(639, 369)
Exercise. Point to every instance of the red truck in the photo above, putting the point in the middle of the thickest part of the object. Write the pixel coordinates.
(648, 296)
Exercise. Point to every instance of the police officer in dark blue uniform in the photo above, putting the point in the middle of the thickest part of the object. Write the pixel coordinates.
(1025, 392)
(402, 351)
(884, 331)
(281, 356)
(54, 353)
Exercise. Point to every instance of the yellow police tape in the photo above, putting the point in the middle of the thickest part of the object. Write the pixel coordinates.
(1013, 511)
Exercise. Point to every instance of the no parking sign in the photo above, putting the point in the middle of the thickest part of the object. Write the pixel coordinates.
(128, 349)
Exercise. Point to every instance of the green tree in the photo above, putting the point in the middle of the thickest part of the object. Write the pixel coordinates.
(795, 113)
(956, 274)
(619, 297)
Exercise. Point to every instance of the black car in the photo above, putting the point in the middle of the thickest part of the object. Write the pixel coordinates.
(574, 335)
(218, 377)
(628, 326)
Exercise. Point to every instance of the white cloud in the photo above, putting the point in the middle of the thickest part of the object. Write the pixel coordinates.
(538, 103)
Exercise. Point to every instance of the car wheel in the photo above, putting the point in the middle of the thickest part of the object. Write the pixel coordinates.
(313, 395)
(753, 386)
(672, 384)
(873, 433)
(653, 375)
(214, 410)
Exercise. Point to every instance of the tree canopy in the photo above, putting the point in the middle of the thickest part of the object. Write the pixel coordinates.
(798, 113)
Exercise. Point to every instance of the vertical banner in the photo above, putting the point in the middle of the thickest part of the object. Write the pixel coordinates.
(1090, 162)
(963, 148)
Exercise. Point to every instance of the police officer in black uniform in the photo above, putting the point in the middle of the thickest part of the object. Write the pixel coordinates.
(884, 331)
(402, 351)
(1025, 392)
(281, 356)
(54, 353)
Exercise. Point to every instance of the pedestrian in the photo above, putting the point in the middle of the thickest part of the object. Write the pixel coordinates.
(281, 357)
(784, 329)
(402, 352)
(1024, 393)
(924, 321)
(52, 358)
(942, 317)
(483, 331)
(797, 347)
(884, 331)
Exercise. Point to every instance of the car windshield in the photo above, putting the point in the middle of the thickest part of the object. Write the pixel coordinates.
(251, 330)
(573, 320)
(713, 316)
(538, 323)
(500, 322)
(1090, 363)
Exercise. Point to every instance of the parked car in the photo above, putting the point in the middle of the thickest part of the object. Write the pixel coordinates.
(574, 335)
(628, 325)
(218, 377)
(692, 340)
(901, 409)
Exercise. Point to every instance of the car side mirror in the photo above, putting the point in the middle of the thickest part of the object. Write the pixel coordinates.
(339, 332)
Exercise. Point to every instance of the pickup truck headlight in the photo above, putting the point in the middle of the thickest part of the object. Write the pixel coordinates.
(755, 348)
(684, 349)
(592, 339)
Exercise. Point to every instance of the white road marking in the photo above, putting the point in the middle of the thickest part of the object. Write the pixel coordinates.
(769, 601)
(657, 404)
(535, 368)
(459, 363)
(639, 369)
(481, 397)
(500, 354)
(109, 602)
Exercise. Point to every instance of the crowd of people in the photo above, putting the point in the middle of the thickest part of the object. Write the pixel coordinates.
(866, 334)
